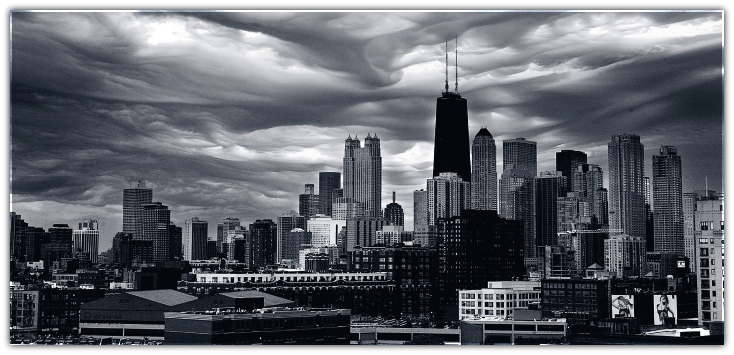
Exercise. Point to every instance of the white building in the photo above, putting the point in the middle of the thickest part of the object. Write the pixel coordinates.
(499, 299)
(86, 239)
(324, 230)
(291, 277)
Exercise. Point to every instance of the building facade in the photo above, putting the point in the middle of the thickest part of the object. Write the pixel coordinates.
(86, 239)
(363, 173)
(498, 299)
(286, 223)
(394, 213)
(329, 182)
(448, 195)
(484, 171)
(626, 185)
(132, 208)
(709, 244)
(667, 191)
(194, 239)
(568, 162)
(451, 145)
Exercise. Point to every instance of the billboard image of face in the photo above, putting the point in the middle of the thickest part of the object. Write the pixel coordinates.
(623, 306)
(666, 306)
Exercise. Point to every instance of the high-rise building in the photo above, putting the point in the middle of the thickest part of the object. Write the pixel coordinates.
(194, 240)
(709, 257)
(223, 228)
(175, 237)
(324, 230)
(626, 185)
(363, 173)
(308, 202)
(624, 255)
(448, 195)
(344, 208)
(451, 147)
(474, 248)
(286, 223)
(420, 208)
(262, 243)
(328, 182)
(362, 232)
(520, 154)
(549, 187)
(156, 221)
(689, 223)
(484, 171)
(132, 208)
(292, 241)
(667, 188)
(86, 239)
(567, 162)
(394, 213)
(587, 180)
(516, 203)
(18, 229)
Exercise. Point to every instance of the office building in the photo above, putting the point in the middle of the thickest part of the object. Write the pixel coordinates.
(262, 243)
(308, 202)
(549, 187)
(624, 255)
(520, 153)
(227, 224)
(626, 185)
(568, 162)
(709, 244)
(362, 232)
(394, 213)
(391, 234)
(667, 190)
(156, 219)
(86, 239)
(517, 204)
(344, 208)
(324, 230)
(286, 223)
(292, 242)
(329, 182)
(194, 240)
(59, 246)
(363, 173)
(587, 182)
(476, 247)
(451, 145)
(448, 195)
(499, 299)
(484, 171)
(132, 208)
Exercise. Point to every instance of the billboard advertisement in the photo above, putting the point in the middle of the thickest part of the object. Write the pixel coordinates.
(623, 306)
(666, 309)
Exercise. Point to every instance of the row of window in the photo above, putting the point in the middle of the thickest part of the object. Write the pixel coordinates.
(500, 296)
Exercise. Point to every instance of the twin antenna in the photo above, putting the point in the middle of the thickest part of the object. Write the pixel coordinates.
(456, 66)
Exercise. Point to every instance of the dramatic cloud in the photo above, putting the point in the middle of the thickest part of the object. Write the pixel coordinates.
(231, 113)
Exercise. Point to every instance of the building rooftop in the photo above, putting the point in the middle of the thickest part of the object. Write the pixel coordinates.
(270, 300)
(166, 297)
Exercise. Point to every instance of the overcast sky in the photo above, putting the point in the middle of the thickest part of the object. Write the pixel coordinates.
(231, 113)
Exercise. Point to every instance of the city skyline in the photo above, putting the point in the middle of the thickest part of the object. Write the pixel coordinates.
(230, 114)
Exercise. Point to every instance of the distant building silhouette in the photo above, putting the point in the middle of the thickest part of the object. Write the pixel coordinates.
(286, 223)
(263, 243)
(394, 213)
(626, 185)
(223, 228)
(520, 154)
(132, 208)
(308, 202)
(549, 187)
(86, 239)
(156, 221)
(484, 172)
(329, 182)
(363, 173)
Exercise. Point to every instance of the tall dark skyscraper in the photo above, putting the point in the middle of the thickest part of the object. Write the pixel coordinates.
(484, 172)
(549, 186)
(667, 191)
(308, 202)
(286, 223)
(195, 237)
(262, 244)
(328, 183)
(567, 162)
(156, 221)
(451, 148)
(626, 185)
(132, 208)
(394, 213)
(363, 173)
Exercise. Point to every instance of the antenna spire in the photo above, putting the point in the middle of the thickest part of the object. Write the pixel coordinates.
(456, 89)
(447, 66)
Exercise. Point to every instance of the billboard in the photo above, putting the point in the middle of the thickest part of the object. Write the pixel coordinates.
(665, 308)
(623, 306)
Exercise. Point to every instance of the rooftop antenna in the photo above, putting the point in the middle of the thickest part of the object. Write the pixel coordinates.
(393, 197)
(456, 90)
(447, 66)
(707, 183)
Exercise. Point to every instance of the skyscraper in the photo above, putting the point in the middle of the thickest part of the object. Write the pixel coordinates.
(194, 240)
(567, 162)
(328, 183)
(520, 154)
(262, 244)
(667, 188)
(451, 148)
(86, 239)
(227, 224)
(448, 195)
(132, 208)
(363, 173)
(484, 172)
(308, 202)
(394, 213)
(156, 220)
(587, 180)
(286, 223)
(626, 185)
(549, 187)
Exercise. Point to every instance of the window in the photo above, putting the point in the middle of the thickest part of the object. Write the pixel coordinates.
(489, 296)
(704, 226)
(713, 262)
(704, 273)
(704, 252)
(488, 304)
(704, 262)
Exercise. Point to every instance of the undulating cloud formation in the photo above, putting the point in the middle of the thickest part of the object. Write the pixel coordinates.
(231, 113)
